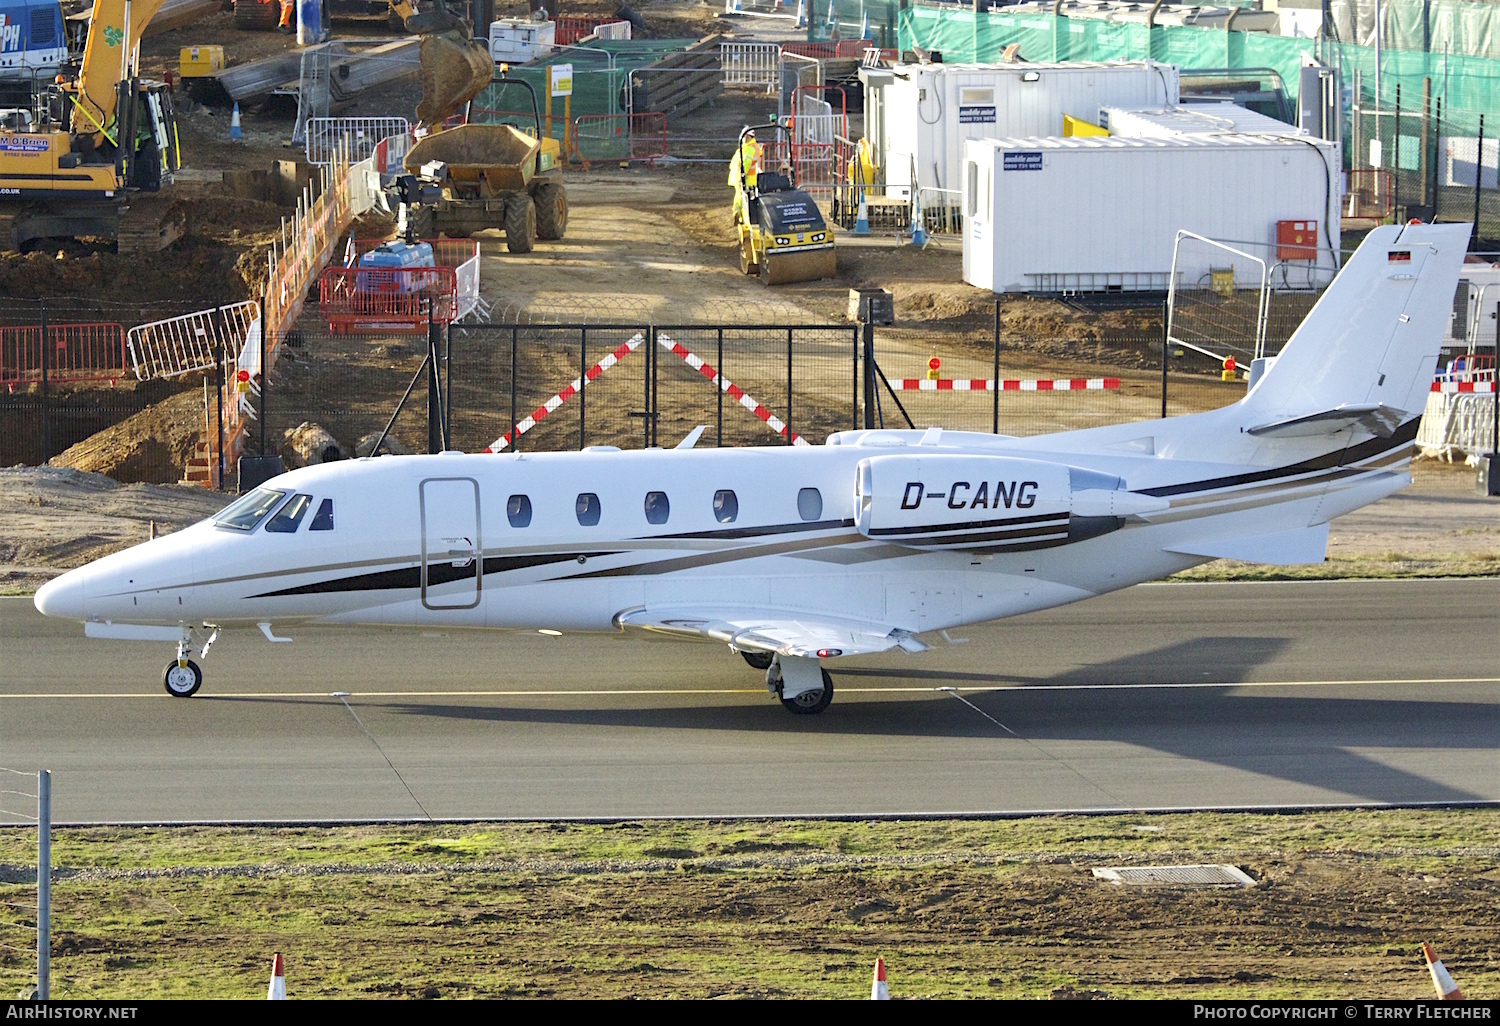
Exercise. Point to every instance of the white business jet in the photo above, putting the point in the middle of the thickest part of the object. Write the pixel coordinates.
(793, 556)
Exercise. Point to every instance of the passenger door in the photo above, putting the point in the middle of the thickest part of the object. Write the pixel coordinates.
(452, 551)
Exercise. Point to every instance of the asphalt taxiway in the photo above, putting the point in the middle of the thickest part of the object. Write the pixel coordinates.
(1163, 696)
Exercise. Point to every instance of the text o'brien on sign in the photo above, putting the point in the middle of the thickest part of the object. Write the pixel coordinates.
(24, 144)
(562, 80)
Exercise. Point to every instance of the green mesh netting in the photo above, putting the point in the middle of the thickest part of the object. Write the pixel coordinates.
(1468, 84)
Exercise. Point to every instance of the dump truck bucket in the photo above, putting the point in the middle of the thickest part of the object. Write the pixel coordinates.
(807, 265)
(502, 157)
(454, 68)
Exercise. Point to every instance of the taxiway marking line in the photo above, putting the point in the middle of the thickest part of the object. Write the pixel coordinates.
(934, 690)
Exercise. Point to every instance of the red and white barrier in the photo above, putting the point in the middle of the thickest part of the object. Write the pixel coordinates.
(540, 413)
(879, 990)
(1449, 387)
(1006, 384)
(729, 388)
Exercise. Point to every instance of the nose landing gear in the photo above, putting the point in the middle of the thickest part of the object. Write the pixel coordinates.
(182, 677)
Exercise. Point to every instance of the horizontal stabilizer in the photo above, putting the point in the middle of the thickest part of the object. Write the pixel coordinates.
(765, 630)
(1279, 548)
(1378, 420)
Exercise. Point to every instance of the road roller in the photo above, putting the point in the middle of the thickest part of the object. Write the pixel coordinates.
(783, 236)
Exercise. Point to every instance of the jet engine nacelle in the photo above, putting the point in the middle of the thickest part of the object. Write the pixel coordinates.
(988, 502)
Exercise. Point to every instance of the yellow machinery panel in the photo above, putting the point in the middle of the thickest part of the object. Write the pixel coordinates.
(198, 61)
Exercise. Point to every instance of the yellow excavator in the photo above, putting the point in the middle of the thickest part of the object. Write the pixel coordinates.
(86, 157)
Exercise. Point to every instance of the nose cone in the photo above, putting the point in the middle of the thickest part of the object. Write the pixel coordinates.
(63, 596)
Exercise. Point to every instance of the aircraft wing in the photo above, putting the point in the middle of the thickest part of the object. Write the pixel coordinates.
(760, 630)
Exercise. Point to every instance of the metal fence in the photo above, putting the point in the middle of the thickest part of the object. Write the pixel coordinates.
(354, 137)
(750, 64)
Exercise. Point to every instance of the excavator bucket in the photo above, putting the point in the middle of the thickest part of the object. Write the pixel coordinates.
(454, 68)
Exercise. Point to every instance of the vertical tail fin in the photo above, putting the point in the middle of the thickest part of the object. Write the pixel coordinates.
(1373, 337)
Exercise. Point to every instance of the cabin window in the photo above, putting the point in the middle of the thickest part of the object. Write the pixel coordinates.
(657, 508)
(973, 189)
(976, 97)
(809, 504)
(323, 518)
(518, 511)
(289, 517)
(587, 509)
(244, 514)
(726, 506)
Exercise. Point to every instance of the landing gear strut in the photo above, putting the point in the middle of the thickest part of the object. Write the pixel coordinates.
(182, 677)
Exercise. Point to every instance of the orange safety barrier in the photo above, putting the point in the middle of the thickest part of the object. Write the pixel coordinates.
(621, 136)
(836, 49)
(387, 298)
(573, 27)
(74, 352)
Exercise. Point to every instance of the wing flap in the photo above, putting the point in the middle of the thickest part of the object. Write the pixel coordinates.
(1278, 548)
(779, 631)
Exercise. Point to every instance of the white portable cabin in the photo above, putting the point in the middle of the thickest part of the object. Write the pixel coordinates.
(922, 114)
(1101, 213)
(1190, 119)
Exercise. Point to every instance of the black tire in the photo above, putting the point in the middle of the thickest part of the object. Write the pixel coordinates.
(810, 703)
(520, 224)
(551, 211)
(758, 660)
(254, 16)
(183, 681)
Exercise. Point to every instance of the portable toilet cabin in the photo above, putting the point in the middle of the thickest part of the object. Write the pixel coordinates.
(1101, 214)
(919, 116)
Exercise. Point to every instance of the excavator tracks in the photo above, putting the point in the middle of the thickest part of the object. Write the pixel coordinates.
(150, 224)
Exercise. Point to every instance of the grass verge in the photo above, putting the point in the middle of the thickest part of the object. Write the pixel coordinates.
(798, 908)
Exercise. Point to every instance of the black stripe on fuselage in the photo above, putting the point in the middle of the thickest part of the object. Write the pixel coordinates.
(437, 573)
(972, 525)
(1371, 447)
(731, 533)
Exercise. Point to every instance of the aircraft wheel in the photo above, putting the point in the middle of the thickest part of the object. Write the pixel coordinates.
(182, 681)
(758, 660)
(810, 702)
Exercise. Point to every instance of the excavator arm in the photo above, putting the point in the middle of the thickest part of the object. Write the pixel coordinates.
(115, 29)
(454, 67)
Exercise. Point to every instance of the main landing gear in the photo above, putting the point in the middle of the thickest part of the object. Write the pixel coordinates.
(802, 684)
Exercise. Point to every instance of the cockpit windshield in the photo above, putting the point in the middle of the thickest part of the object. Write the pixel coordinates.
(250, 510)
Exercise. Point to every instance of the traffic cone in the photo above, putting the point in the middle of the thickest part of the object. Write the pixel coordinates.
(801, 13)
(864, 26)
(277, 990)
(878, 990)
(234, 124)
(1447, 990)
(862, 218)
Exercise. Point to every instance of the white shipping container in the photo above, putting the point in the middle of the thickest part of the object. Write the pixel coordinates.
(928, 111)
(1102, 213)
(1190, 119)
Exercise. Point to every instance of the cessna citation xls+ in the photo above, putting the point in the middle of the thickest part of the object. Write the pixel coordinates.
(795, 555)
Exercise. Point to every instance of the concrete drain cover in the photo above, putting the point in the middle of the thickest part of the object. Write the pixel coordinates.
(1176, 876)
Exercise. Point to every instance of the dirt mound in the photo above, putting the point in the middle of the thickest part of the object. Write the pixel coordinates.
(56, 518)
(153, 446)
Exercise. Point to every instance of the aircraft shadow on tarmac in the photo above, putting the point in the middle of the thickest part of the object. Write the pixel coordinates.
(1299, 738)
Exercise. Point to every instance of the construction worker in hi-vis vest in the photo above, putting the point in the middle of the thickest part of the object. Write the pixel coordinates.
(748, 158)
